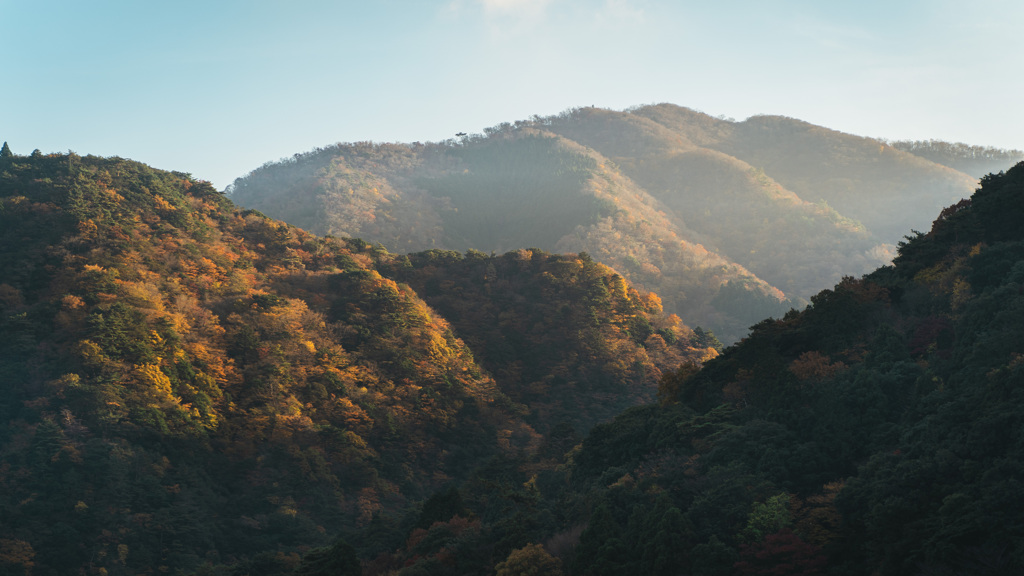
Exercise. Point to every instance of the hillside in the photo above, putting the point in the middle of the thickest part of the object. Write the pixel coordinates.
(543, 192)
(885, 189)
(735, 209)
(191, 387)
(188, 384)
(728, 222)
(564, 335)
(879, 431)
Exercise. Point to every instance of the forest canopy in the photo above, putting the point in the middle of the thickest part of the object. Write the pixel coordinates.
(188, 384)
(191, 387)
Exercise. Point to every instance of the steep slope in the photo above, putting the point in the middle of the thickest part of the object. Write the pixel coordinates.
(509, 193)
(886, 189)
(876, 432)
(185, 382)
(519, 187)
(564, 335)
(360, 190)
(879, 431)
(728, 221)
(734, 209)
(658, 253)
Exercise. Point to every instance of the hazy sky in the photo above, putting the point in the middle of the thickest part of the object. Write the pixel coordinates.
(218, 87)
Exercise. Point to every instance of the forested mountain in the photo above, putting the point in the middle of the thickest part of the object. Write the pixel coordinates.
(185, 384)
(729, 222)
(191, 388)
(547, 193)
(879, 431)
(887, 190)
(736, 210)
(564, 335)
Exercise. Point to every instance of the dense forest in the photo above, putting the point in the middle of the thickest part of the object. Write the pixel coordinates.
(729, 222)
(193, 388)
(530, 317)
(188, 384)
(879, 431)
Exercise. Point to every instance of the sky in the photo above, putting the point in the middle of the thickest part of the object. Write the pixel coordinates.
(217, 88)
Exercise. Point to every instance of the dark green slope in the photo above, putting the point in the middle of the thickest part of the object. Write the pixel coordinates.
(879, 431)
(562, 334)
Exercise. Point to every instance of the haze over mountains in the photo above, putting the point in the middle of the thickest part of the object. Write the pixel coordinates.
(728, 222)
(189, 387)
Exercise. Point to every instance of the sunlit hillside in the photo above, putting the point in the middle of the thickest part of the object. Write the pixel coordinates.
(728, 221)
(186, 383)
(542, 191)
(886, 189)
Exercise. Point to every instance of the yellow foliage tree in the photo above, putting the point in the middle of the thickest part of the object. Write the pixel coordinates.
(531, 560)
(16, 556)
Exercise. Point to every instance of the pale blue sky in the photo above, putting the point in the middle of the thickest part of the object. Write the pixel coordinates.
(218, 87)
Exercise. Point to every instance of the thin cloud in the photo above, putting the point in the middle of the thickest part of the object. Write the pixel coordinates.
(506, 19)
(502, 19)
(615, 13)
(832, 36)
(528, 10)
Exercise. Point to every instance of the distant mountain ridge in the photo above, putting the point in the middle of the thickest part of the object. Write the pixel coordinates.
(727, 221)
(969, 159)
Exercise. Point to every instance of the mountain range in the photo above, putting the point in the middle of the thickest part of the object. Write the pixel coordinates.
(729, 222)
(190, 387)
